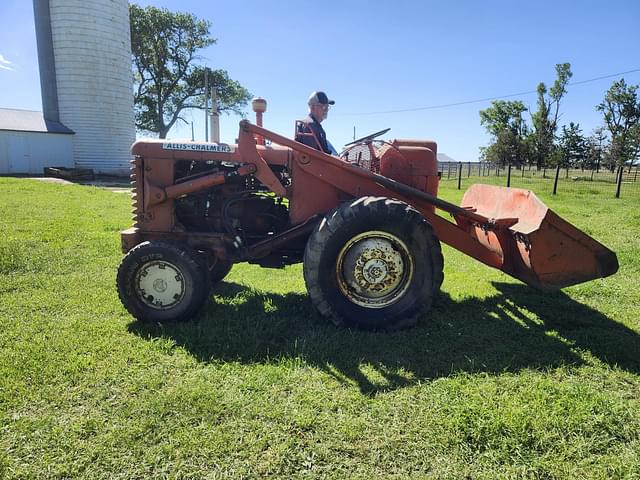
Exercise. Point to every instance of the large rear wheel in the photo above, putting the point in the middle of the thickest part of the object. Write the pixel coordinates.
(374, 263)
(162, 282)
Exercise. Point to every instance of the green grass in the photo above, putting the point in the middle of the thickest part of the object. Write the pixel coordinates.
(498, 381)
(576, 183)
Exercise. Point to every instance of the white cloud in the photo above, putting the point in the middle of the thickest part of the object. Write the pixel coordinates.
(4, 63)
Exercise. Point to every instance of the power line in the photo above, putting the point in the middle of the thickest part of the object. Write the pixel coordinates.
(445, 105)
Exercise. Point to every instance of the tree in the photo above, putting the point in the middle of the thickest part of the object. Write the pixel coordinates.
(545, 119)
(572, 146)
(503, 120)
(167, 81)
(621, 111)
(596, 149)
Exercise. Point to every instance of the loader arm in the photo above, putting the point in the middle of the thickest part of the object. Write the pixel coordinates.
(359, 182)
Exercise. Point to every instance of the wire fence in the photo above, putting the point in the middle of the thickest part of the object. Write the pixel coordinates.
(621, 181)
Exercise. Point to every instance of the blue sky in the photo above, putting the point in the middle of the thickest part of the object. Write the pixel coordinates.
(385, 56)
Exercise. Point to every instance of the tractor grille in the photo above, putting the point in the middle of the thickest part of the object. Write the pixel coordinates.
(136, 193)
(361, 155)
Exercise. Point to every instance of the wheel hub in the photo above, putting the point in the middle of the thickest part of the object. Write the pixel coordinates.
(160, 285)
(374, 269)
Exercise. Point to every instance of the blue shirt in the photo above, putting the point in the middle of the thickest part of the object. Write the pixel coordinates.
(311, 133)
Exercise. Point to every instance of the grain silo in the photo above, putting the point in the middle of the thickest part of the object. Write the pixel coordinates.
(84, 53)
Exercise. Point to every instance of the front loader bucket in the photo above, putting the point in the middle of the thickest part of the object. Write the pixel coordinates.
(540, 248)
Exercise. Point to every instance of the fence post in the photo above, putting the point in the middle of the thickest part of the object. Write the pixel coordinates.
(544, 172)
(619, 181)
(469, 169)
(509, 175)
(459, 174)
(497, 169)
(555, 181)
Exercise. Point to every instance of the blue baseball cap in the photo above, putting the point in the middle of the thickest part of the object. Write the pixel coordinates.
(320, 97)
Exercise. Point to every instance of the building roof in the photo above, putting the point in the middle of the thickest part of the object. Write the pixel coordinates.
(29, 121)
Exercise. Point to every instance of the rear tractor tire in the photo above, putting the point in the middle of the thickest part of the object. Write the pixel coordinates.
(162, 282)
(373, 264)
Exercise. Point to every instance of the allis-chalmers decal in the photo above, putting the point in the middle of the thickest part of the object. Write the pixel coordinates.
(199, 147)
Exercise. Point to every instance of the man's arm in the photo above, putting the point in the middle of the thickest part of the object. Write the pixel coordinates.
(332, 150)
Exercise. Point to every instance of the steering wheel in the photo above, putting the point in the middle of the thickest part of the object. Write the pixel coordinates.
(368, 138)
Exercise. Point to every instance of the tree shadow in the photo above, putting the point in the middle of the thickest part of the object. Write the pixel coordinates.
(518, 328)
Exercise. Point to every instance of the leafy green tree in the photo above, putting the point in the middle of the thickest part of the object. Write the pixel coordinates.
(503, 121)
(545, 118)
(167, 80)
(596, 148)
(572, 146)
(621, 111)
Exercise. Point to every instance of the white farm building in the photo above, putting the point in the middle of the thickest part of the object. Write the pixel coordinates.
(28, 142)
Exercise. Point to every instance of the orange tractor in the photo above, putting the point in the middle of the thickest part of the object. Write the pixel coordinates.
(364, 225)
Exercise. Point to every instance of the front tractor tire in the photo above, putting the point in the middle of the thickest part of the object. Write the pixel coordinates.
(162, 282)
(373, 264)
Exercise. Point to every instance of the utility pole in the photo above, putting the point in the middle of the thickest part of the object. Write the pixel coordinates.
(215, 117)
(206, 104)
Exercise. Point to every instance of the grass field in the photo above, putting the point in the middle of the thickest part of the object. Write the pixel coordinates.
(498, 381)
(574, 181)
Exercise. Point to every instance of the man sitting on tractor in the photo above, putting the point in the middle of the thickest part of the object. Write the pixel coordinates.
(309, 131)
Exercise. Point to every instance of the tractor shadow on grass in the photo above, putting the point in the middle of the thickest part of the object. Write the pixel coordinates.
(517, 328)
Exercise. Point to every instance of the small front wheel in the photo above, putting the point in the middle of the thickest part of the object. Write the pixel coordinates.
(162, 282)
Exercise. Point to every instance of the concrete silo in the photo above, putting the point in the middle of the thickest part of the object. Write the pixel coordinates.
(84, 53)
